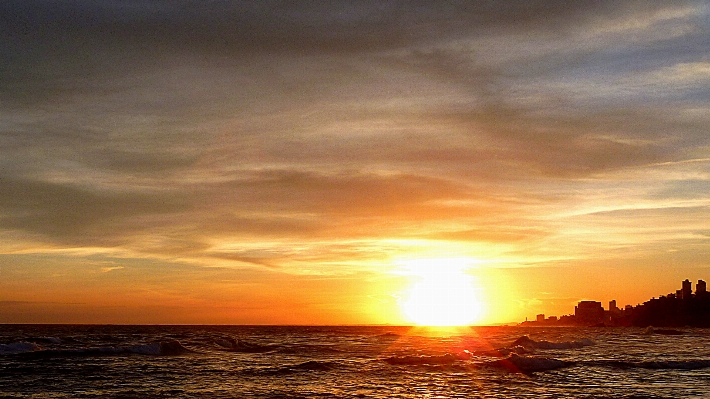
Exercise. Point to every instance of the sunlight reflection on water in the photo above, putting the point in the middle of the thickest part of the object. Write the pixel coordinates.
(363, 362)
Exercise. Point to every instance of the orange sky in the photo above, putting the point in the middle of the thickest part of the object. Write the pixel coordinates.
(277, 163)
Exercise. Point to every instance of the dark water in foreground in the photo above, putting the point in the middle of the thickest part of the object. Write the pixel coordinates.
(350, 362)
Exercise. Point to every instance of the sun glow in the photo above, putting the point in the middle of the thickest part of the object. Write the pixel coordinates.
(444, 293)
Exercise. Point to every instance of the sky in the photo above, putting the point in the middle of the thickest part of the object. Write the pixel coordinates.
(278, 162)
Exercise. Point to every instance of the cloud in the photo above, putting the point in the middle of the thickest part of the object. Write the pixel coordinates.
(495, 234)
(66, 213)
(272, 133)
(110, 269)
(276, 25)
(34, 303)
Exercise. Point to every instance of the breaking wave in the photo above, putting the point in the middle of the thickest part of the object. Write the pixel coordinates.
(44, 340)
(18, 347)
(662, 331)
(238, 345)
(389, 334)
(527, 342)
(164, 348)
(528, 364)
(520, 350)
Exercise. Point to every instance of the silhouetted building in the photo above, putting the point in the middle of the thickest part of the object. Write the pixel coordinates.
(683, 309)
(612, 306)
(589, 312)
(687, 290)
(672, 310)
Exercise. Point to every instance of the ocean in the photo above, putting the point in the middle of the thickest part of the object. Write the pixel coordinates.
(106, 361)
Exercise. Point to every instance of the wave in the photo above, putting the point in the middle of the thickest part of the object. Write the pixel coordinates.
(309, 348)
(514, 362)
(446, 358)
(173, 347)
(528, 364)
(238, 345)
(312, 365)
(44, 340)
(501, 352)
(527, 342)
(662, 331)
(307, 366)
(388, 335)
(164, 348)
(18, 347)
(654, 364)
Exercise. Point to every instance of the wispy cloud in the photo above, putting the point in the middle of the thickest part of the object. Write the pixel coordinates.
(307, 138)
(110, 269)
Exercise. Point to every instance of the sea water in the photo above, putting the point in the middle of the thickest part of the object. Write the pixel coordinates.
(81, 361)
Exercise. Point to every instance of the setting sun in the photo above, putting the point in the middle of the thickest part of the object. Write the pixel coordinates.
(443, 295)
